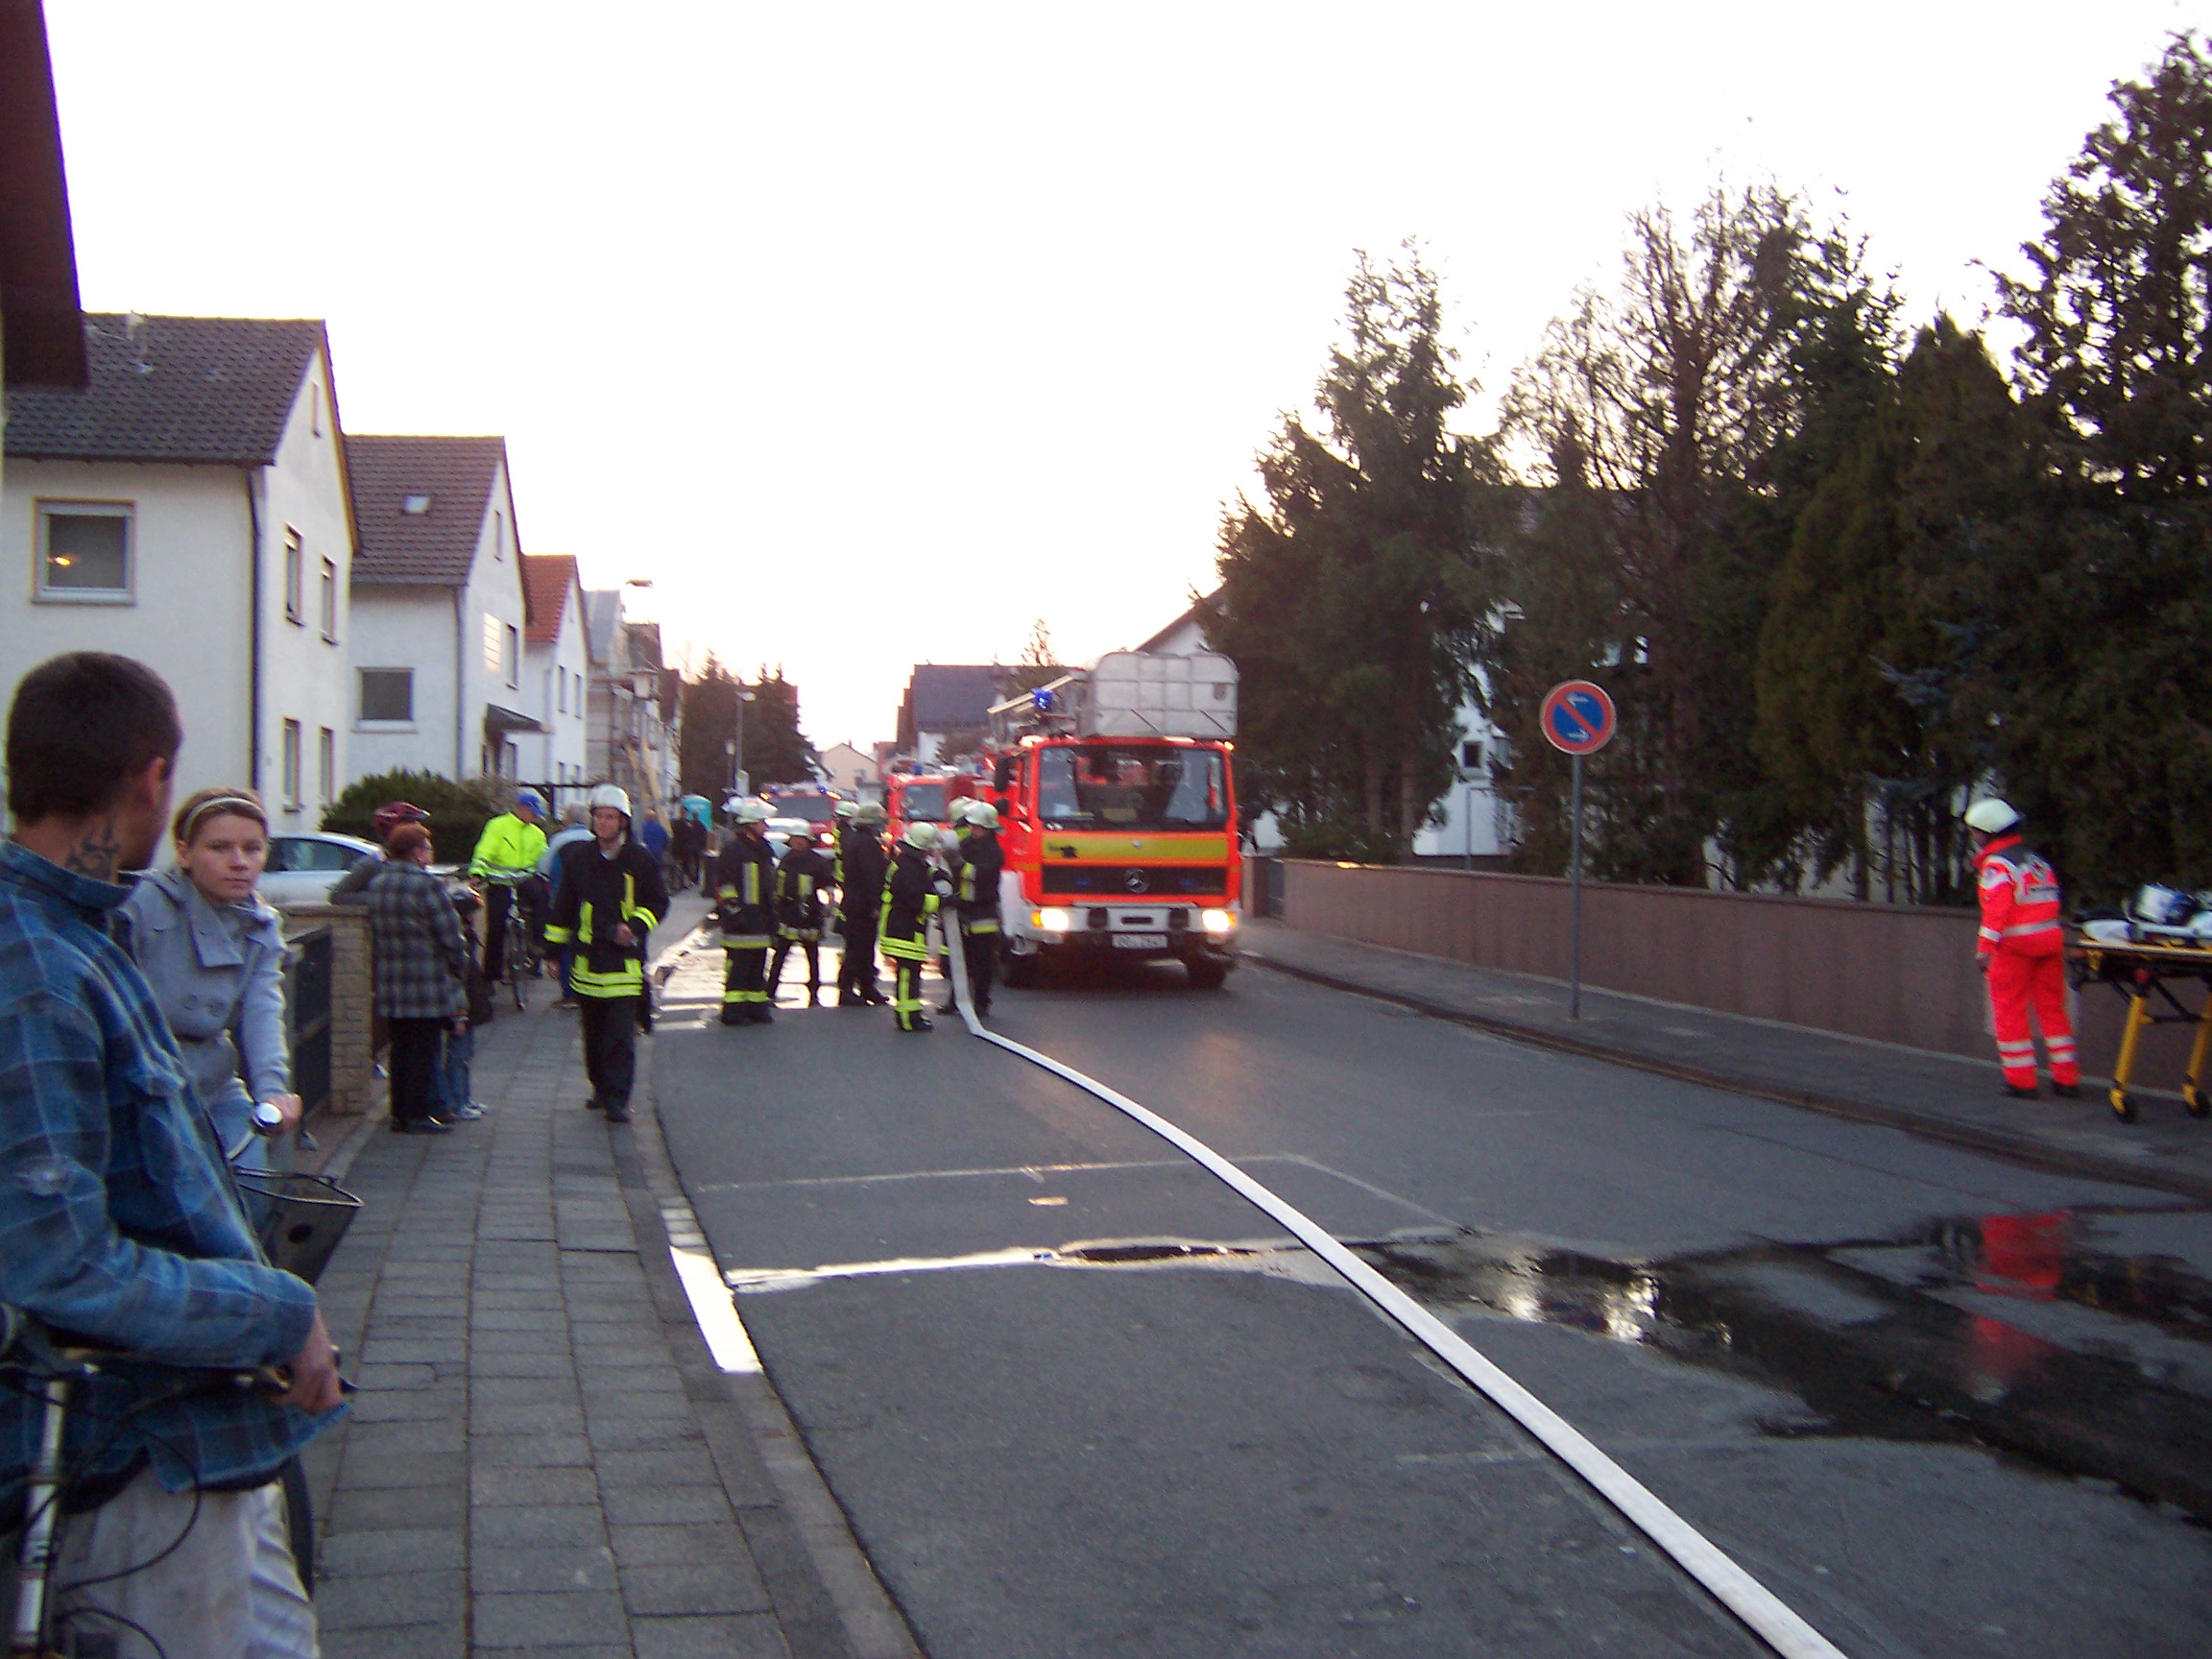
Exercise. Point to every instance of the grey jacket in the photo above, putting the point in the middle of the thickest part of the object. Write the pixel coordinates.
(421, 957)
(218, 974)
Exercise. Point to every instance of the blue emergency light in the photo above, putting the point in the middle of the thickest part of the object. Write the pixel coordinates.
(1041, 700)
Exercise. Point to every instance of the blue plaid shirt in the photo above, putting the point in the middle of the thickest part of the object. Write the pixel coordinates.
(118, 1218)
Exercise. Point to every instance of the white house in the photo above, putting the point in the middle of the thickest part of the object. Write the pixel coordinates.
(189, 507)
(1473, 820)
(633, 711)
(439, 609)
(848, 768)
(557, 670)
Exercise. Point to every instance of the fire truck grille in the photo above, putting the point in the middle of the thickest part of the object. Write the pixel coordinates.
(1135, 880)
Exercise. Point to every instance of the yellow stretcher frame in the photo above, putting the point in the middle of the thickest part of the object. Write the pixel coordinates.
(2138, 972)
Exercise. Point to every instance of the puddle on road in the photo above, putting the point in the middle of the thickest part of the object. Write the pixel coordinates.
(2033, 1333)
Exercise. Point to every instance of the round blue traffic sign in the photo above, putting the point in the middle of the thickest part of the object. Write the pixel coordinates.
(1578, 717)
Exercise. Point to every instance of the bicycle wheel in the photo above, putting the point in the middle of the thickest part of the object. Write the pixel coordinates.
(300, 1524)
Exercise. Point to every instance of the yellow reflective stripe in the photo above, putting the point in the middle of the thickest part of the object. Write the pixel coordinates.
(1128, 848)
(559, 935)
(912, 949)
(744, 941)
(584, 924)
(752, 882)
(647, 917)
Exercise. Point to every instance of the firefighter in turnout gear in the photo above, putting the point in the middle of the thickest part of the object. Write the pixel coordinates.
(800, 882)
(745, 900)
(611, 897)
(976, 887)
(861, 866)
(2022, 948)
(911, 893)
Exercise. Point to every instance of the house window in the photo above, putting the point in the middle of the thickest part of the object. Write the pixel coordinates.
(292, 764)
(415, 503)
(329, 601)
(315, 411)
(561, 696)
(327, 767)
(387, 696)
(514, 657)
(84, 551)
(1470, 757)
(495, 642)
(498, 535)
(295, 578)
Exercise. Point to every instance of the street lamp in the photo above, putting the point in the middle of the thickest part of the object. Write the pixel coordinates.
(737, 745)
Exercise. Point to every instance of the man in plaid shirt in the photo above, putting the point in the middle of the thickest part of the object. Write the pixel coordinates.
(118, 1220)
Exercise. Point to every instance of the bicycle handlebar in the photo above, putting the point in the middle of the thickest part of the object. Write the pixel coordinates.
(28, 1343)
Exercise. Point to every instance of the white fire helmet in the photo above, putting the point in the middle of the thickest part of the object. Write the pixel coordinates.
(922, 836)
(750, 811)
(1992, 816)
(982, 816)
(609, 795)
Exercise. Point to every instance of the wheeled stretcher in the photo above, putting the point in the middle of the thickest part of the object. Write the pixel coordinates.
(2147, 973)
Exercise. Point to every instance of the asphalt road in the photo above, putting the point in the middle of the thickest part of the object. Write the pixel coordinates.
(1078, 1399)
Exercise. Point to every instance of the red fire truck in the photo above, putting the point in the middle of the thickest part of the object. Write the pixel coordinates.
(1116, 794)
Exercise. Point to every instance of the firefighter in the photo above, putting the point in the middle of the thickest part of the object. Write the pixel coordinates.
(611, 898)
(861, 864)
(745, 897)
(911, 893)
(2022, 951)
(948, 848)
(976, 884)
(800, 882)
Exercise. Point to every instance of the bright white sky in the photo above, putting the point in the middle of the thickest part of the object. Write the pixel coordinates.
(871, 333)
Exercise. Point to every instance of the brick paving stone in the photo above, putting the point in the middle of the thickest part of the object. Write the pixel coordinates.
(524, 1470)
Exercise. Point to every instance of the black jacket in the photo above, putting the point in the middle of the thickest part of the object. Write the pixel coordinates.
(596, 895)
(745, 887)
(976, 881)
(800, 881)
(861, 866)
(909, 893)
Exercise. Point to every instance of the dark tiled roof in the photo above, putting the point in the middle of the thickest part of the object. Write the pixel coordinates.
(953, 696)
(212, 390)
(548, 579)
(436, 548)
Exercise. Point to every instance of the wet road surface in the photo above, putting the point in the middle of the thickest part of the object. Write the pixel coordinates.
(1079, 1398)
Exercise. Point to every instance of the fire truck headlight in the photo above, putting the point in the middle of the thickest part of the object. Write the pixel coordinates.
(1218, 922)
(1051, 920)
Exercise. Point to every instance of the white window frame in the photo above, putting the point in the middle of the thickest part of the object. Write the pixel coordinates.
(329, 600)
(295, 578)
(361, 721)
(511, 656)
(290, 753)
(325, 766)
(44, 510)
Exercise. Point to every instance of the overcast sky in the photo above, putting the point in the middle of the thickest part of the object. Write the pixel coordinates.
(870, 333)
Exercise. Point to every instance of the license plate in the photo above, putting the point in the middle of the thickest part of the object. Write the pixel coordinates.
(1140, 941)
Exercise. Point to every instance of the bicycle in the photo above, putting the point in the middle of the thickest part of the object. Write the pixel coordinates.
(521, 923)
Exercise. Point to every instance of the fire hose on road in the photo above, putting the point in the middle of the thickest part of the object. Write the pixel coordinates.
(1761, 1611)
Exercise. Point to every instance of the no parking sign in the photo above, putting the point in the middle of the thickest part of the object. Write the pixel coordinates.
(1578, 717)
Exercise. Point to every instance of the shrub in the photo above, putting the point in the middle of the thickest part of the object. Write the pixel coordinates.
(458, 811)
(1338, 838)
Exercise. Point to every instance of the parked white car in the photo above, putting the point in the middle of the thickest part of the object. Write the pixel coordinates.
(302, 868)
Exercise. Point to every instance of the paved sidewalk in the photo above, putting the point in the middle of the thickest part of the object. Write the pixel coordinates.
(1941, 1096)
(544, 1457)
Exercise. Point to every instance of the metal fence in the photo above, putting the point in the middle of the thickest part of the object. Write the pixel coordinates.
(307, 983)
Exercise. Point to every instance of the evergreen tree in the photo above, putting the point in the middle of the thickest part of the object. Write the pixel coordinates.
(2095, 670)
(776, 749)
(703, 756)
(1353, 600)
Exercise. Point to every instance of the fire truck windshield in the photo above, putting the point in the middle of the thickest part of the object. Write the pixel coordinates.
(814, 808)
(922, 803)
(1116, 786)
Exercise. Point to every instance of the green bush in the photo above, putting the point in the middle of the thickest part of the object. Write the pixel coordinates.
(458, 811)
(1339, 838)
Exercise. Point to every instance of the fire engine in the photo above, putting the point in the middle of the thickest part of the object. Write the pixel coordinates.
(1117, 795)
(923, 797)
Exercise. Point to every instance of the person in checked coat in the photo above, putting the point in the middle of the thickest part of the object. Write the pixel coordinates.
(421, 968)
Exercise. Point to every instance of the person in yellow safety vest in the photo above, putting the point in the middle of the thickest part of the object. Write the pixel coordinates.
(611, 896)
(911, 893)
(745, 899)
(981, 863)
(505, 867)
(799, 882)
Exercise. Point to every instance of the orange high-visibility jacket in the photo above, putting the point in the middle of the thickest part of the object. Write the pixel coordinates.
(2019, 901)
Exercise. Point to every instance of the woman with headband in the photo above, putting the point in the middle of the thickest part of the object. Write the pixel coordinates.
(214, 955)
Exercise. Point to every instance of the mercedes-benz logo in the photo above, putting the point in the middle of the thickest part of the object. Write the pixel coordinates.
(1136, 880)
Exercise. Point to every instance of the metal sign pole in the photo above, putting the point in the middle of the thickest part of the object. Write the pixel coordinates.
(1574, 927)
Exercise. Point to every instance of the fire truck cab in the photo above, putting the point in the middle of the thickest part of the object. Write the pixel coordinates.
(1115, 790)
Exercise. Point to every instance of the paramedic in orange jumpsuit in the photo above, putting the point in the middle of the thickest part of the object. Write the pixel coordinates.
(2022, 948)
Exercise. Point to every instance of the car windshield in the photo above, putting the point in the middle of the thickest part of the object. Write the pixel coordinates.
(1103, 786)
(921, 802)
(814, 808)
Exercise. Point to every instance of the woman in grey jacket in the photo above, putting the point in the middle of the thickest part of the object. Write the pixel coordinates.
(214, 955)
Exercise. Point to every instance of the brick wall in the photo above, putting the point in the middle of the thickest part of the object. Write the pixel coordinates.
(352, 1001)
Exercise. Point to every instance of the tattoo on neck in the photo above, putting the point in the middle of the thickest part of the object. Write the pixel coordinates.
(98, 852)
